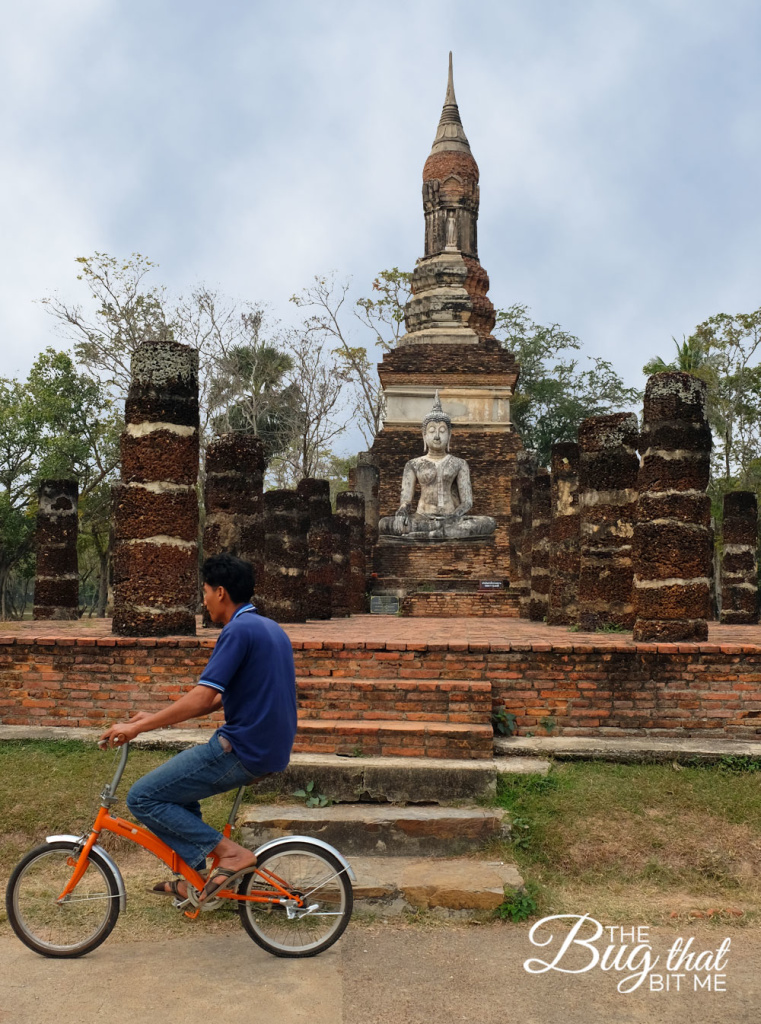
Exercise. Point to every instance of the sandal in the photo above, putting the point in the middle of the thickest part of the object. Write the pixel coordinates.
(170, 888)
(211, 889)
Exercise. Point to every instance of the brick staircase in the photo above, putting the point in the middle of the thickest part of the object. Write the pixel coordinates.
(395, 717)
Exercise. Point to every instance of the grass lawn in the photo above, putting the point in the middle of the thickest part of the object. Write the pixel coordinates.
(640, 843)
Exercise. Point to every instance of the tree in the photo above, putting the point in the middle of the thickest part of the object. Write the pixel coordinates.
(383, 318)
(58, 423)
(249, 391)
(554, 394)
(312, 425)
(724, 351)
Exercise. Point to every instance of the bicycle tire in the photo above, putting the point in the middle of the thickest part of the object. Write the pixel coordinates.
(309, 870)
(61, 930)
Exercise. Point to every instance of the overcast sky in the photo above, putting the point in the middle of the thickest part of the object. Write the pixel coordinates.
(253, 145)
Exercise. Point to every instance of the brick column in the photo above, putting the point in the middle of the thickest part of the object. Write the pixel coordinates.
(350, 505)
(564, 535)
(541, 506)
(282, 593)
(739, 565)
(342, 531)
(365, 479)
(520, 525)
(233, 499)
(155, 508)
(672, 537)
(319, 578)
(608, 467)
(56, 581)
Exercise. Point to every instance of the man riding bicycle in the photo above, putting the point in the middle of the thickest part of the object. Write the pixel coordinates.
(251, 676)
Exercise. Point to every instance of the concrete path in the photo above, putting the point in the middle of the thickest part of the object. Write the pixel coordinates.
(376, 974)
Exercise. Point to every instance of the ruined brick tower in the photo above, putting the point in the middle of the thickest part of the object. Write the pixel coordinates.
(449, 347)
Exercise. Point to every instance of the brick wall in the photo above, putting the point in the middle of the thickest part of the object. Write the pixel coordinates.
(645, 689)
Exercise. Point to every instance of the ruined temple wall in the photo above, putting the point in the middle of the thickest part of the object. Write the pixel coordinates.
(608, 468)
(739, 564)
(541, 511)
(155, 507)
(565, 535)
(673, 546)
(282, 593)
(350, 505)
(56, 581)
(319, 577)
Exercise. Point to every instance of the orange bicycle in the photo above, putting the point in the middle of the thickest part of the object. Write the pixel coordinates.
(64, 897)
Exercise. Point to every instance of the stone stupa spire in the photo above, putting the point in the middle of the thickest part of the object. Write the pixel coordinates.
(450, 135)
(449, 304)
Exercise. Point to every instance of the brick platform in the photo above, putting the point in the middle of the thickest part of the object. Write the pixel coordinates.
(414, 686)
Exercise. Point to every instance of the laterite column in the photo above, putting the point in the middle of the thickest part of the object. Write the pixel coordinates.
(739, 565)
(608, 467)
(282, 594)
(56, 581)
(541, 507)
(520, 514)
(319, 578)
(155, 508)
(350, 505)
(233, 499)
(673, 547)
(564, 535)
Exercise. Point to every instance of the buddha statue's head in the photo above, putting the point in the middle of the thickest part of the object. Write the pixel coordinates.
(437, 429)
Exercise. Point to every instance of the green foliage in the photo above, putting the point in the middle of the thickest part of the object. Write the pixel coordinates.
(58, 424)
(518, 904)
(548, 723)
(554, 392)
(310, 798)
(611, 627)
(503, 722)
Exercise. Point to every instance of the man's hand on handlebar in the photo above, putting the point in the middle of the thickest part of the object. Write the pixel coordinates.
(122, 732)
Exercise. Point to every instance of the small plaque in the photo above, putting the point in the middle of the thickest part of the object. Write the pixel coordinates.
(384, 604)
(491, 585)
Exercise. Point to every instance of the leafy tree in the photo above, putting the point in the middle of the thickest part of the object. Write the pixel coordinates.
(554, 392)
(58, 424)
(382, 316)
(249, 390)
(724, 351)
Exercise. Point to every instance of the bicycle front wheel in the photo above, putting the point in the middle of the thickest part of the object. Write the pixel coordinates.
(312, 876)
(69, 928)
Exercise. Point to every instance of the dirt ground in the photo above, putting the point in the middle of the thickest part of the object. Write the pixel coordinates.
(380, 974)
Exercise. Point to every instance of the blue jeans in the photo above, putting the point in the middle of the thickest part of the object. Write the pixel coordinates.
(166, 800)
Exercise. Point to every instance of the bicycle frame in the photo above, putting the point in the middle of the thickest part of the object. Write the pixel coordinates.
(135, 833)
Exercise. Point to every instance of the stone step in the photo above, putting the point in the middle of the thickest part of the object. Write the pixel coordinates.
(363, 829)
(392, 885)
(394, 738)
(398, 780)
(395, 699)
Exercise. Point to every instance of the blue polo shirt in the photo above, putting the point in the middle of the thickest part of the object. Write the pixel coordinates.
(252, 667)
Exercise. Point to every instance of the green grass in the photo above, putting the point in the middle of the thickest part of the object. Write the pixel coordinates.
(639, 842)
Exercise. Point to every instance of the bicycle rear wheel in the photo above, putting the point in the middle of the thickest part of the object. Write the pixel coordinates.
(307, 872)
(71, 928)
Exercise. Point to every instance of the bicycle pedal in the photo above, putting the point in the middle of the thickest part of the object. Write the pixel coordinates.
(180, 903)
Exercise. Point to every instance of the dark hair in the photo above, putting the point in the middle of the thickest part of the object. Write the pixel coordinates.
(235, 575)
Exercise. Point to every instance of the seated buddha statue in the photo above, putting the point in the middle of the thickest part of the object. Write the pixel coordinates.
(446, 496)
